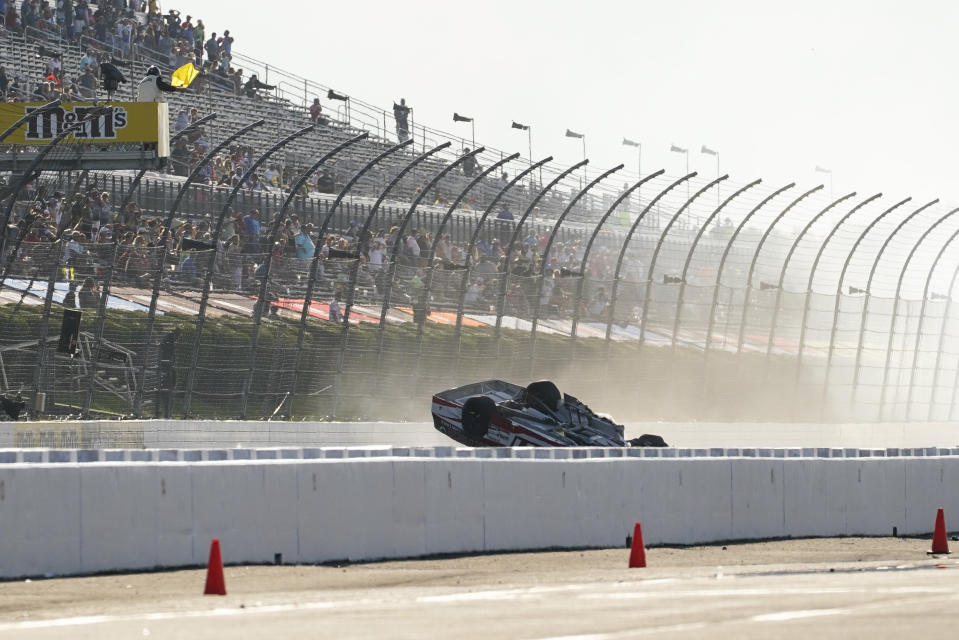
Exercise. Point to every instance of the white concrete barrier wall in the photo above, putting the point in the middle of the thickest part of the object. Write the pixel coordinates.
(82, 518)
(234, 433)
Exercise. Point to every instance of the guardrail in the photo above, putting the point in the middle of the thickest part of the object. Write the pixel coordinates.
(83, 456)
(61, 519)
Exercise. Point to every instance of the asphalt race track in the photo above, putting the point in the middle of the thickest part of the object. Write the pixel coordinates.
(819, 588)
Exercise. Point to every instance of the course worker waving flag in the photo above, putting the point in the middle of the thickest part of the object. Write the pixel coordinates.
(183, 76)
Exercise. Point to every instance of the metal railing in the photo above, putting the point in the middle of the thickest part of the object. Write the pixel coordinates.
(726, 343)
(763, 305)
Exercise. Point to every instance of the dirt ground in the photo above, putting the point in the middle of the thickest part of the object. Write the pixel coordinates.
(179, 590)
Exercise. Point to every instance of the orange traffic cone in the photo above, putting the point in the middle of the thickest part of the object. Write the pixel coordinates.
(940, 543)
(637, 555)
(215, 584)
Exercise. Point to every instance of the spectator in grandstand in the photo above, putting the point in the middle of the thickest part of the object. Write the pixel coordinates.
(486, 266)
(325, 183)
(316, 112)
(305, 248)
(212, 49)
(187, 31)
(72, 246)
(272, 176)
(28, 15)
(81, 16)
(152, 87)
(180, 157)
(424, 240)
(444, 248)
(474, 292)
(129, 218)
(225, 44)
(377, 253)
(199, 35)
(182, 53)
(89, 294)
(4, 83)
(10, 19)
(233, 261)
(172, 19)
(102, 210)
(251, 232)
(186, 272)
(412, 249)
(598, 304)
(89, 61)
(546, 292)
(401, 114)
(70, 297)
(251, 86)
(182, 119)
(470, 166)
(53, 65)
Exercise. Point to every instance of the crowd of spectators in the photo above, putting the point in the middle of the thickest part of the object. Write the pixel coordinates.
(89, 222)
(117, 31)
(110, 28)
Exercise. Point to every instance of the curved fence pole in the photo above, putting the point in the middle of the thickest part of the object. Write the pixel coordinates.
(315, 263)
(108, 281)
(168, 222)
(942, 339)
(394, 250)
(6, 134)
(430, 270)
(260, 303)
(142, 172)
(659, 245)
(461, 303)
(504, 283)
(42, 346)
(50, 106)
(456, 202)
(584, 262)
(391, 263)
(865, 309)
(837, 297)
(895, 310)
(722, 265)
(942, 330)
(781, 281)
(546, 251)
(369, 221)
(211, 262)
(755, 259)
(355, 269)
(692, 250)
(25, 178)
(622, 254)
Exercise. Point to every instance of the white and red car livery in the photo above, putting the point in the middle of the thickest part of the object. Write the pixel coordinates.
(495, 413)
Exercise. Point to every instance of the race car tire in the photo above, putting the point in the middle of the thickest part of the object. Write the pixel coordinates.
(546, 392)
(648, 440)
(477, 413)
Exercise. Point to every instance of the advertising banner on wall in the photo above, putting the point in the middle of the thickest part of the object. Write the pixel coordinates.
(124, 122)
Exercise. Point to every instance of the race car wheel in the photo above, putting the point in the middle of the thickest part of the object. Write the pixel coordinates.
(546, 392)
(477, 413)
(648, 440)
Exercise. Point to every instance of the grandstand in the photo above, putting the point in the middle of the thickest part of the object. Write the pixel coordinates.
(394, 268)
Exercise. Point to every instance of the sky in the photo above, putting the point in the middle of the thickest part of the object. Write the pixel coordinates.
(865, 89)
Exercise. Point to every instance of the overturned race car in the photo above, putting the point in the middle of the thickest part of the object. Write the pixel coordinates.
(495, 413)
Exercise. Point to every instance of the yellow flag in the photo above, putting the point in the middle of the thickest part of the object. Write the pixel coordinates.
(183, 76)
